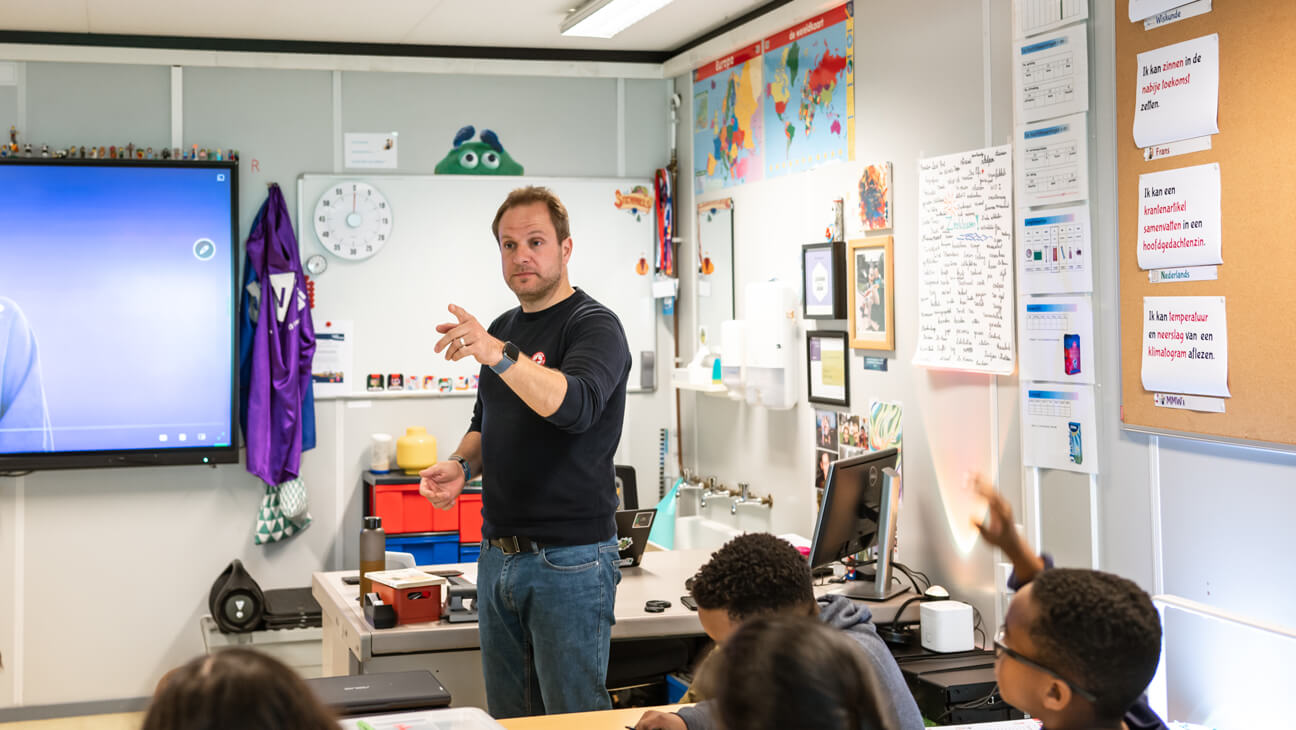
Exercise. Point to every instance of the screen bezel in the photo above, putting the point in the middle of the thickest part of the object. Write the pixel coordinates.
(832, 500)
(229, 454)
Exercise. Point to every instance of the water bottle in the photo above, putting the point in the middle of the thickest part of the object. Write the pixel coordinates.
(373, 551)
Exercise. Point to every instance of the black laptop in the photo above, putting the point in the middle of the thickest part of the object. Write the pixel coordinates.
(633, 526)
(368, 694)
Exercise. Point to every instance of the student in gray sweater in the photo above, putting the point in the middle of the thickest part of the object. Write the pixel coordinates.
(758, 574)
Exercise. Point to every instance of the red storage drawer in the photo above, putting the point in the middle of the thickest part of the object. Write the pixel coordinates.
(404, 510)
(470, 518)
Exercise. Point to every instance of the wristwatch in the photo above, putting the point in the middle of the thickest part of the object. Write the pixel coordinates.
(510, 356)
(463, 463)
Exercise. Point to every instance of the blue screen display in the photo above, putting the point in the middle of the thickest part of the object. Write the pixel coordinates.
(116, 307)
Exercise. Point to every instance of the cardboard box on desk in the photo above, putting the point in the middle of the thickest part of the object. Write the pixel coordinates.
(415, 595)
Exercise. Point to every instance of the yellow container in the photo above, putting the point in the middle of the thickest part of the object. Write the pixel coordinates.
(416, 450)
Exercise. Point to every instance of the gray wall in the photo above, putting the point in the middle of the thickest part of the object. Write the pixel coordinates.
(145, 544)
(913, 98)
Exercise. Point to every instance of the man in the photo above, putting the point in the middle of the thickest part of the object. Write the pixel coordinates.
(24, 417)
(1078, 647)
(547, 421)
(757, 575)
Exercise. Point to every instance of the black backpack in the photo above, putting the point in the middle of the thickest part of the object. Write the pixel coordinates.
(236, 602)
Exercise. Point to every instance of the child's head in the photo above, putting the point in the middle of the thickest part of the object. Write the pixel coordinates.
(236, 688)
(794, 671)
(1078, 647)
(752, 575)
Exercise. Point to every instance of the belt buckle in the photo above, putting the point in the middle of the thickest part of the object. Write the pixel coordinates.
(506, 541)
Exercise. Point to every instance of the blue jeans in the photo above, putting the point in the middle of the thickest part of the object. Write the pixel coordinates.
(545, 620)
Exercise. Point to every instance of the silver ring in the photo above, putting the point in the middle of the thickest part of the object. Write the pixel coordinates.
(462, 343)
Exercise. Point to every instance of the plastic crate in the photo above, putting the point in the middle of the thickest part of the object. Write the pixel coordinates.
(470, 518)
(468, 552)
(427, 549)
(403, 510)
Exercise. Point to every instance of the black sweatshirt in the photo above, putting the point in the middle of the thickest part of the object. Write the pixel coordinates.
(551, 479)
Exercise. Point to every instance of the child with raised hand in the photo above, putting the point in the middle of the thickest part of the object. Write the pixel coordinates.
(1078, 647)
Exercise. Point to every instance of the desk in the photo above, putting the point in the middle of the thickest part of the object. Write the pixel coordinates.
(452, 651)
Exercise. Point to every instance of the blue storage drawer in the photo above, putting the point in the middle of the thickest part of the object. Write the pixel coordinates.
(427, 549)
(469, 551)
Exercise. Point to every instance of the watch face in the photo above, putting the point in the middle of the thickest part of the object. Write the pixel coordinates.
(353, 220)
(316, 265)
(511, 351)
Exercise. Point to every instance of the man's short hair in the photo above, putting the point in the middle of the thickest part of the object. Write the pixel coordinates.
(535, 194)
(1100, 631)
(753, 575)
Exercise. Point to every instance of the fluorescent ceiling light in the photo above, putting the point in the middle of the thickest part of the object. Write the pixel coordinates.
(606, 18)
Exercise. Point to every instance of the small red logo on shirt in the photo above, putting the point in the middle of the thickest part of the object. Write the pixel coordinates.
(538, 358)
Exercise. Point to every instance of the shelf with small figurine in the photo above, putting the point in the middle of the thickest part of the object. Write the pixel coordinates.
(113, 152)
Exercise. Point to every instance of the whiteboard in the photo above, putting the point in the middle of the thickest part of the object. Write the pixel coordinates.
(441, 251)
(965, 280)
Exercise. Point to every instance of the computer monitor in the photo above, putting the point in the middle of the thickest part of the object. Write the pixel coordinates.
(861, 505)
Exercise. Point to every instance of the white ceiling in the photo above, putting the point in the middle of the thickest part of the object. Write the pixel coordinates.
(501, 23)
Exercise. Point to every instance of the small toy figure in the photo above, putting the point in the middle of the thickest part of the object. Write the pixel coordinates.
(149, 154)
(112, 152)
(175, 153)
(166, 153)
(202, 154)
(219, 155)
(82, 151)
(44, 150)
(60, 154)
(486, 157)
(130, 149)
(233, 155)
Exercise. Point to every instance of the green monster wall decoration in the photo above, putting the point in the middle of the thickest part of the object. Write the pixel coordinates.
(486, 157)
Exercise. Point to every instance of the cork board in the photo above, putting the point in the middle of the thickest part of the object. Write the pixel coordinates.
(1256, 152)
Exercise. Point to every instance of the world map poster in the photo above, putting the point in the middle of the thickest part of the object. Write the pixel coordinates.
(727, 121)
(809, 93)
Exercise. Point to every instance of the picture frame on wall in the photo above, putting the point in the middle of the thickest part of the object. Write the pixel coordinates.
(872, 293)
(823, 280)
(827, 366)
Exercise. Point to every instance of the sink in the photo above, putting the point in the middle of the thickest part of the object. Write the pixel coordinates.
(694, 533)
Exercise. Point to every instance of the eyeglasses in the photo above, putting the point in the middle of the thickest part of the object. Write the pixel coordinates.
(1001, 649)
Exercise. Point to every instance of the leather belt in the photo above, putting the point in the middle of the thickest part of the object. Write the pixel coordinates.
(515, 544)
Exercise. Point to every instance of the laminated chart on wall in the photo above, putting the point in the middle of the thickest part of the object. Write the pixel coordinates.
(1177, 93)
(1140, 9)
(965, 279)
(1053, 161)
(1054, 251)
(1051, 74)
(1057, 340)
(1059, 427)
(810, 93)
(728, 134)
(1185, 345)
(1179, 221)
(1037, 16)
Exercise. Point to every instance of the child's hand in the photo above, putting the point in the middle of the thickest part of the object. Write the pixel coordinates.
(997, 528)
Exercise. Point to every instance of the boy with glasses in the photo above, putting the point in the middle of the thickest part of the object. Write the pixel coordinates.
(1078, 647)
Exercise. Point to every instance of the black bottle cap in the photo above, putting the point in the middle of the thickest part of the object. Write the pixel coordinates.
(373, 523)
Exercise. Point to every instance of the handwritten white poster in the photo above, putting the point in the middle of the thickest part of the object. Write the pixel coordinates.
(1185, 345)
(965, 279)
(1179, 218)
(1054, 251)
(1052, 74)
(1057, 340)
(1178, 92)
(1059, 427)
(1053, 161)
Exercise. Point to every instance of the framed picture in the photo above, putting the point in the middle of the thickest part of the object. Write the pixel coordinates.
(823, 286)
(872, 310)
(826, 365)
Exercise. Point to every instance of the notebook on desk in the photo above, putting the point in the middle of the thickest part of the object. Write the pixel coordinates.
(633, 526)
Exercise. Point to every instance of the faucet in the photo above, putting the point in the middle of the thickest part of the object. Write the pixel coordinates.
(746, 497)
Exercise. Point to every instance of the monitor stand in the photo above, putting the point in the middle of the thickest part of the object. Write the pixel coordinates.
(880, 588)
